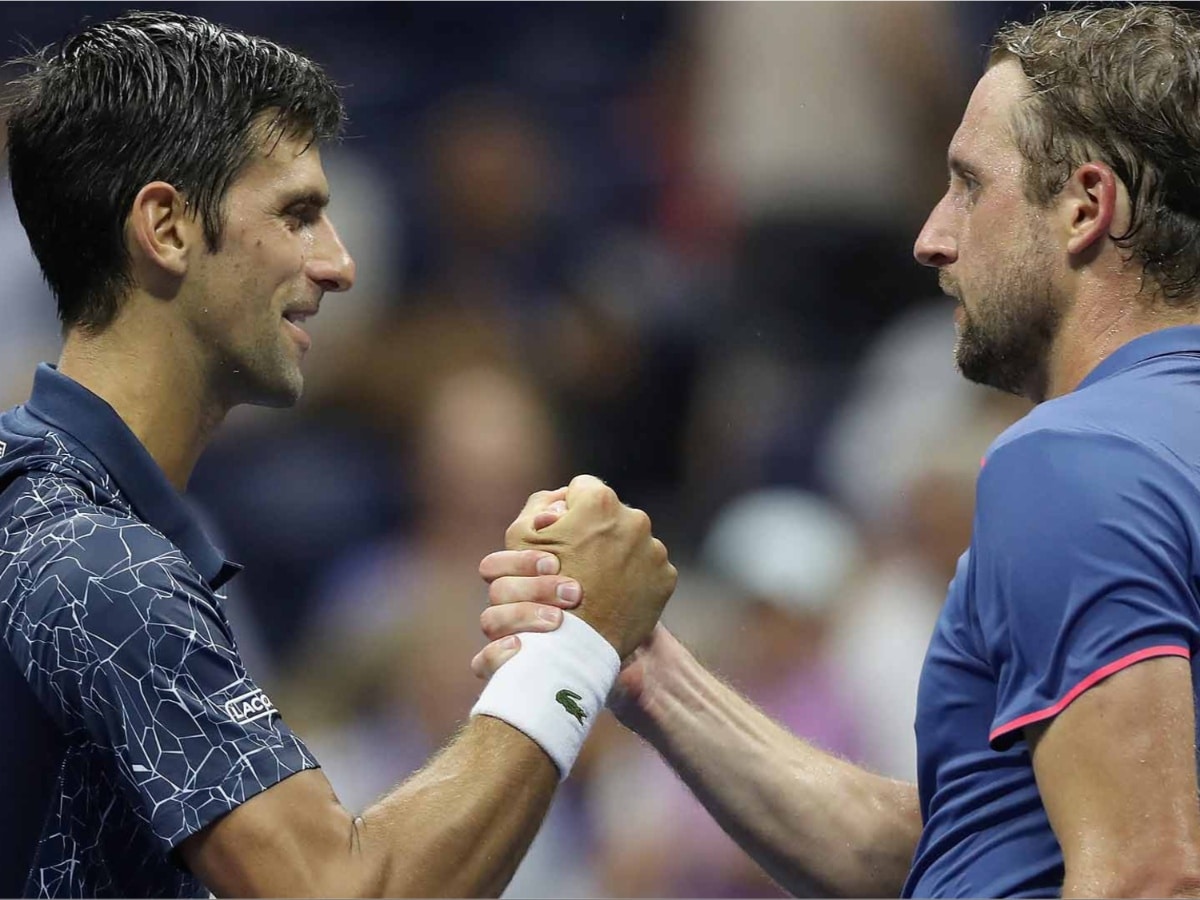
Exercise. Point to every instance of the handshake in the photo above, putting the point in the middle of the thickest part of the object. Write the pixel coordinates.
(577, 548)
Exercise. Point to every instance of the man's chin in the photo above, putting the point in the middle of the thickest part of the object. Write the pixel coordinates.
(281, 392)
(991, 370)
(278, 401)
(286, 397)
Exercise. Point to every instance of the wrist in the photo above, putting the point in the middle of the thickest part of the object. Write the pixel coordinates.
(554, 688)
(646, 702)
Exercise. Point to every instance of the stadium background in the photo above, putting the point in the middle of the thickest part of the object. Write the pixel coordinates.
(667, 244)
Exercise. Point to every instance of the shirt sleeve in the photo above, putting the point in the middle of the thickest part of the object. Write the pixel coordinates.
(1082, 567)
(126, 647)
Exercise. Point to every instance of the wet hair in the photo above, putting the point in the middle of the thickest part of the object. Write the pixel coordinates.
(148, 96)
(1119, 85)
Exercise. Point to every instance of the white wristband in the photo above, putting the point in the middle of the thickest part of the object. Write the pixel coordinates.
(554, 688)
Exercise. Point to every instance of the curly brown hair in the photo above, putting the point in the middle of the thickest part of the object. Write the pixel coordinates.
(1119, 86)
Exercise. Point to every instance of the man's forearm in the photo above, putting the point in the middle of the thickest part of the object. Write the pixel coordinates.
(460, 826)
(803, 814)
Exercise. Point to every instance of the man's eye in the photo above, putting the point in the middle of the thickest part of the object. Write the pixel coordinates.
(302, 215)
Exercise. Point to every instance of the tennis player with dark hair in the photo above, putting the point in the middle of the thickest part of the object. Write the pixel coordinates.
(167, 171)
(1056, 719)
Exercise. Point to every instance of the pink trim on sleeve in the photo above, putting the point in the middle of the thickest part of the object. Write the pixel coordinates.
(1099, 675)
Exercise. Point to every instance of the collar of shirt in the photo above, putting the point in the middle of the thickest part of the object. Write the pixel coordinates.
(68, 406)
(1164, 342)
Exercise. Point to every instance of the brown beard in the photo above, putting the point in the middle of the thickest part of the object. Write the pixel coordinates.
(1010, 354)
(1007, 342)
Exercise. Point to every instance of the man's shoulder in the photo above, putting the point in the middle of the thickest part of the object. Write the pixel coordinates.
(1075, 428)
(57, 543)
(1077, 476)
(57, 509)
(45, 466)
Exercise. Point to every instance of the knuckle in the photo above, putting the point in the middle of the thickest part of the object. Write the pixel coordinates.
(498, 591)
(605, 497)
(659, 550)
(488, 623)
(488, 663)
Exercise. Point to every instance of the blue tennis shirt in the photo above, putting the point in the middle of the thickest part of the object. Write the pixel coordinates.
(1084, 560)
(130, 722)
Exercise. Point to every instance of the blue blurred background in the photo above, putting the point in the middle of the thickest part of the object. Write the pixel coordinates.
(666, 244)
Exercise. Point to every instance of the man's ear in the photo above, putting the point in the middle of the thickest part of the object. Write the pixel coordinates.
(160, 231)
(1094, 202)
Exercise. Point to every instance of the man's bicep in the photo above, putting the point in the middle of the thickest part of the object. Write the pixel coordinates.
(292, 840)
(1116, 771)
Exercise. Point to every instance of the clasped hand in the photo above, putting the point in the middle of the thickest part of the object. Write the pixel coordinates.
(575, 548)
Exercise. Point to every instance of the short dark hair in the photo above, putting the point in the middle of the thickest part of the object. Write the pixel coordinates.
(144, 97)
(1119, 85)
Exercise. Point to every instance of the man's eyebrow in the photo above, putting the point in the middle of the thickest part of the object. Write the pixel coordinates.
(312, 197)
(959, 166)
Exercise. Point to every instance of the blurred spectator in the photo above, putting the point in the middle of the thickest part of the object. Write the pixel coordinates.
(784, 559)
(903, 457)
(905, 397)
(827, 125)
(381, 677)
(482, 442)
(887, 621)
(840, 111)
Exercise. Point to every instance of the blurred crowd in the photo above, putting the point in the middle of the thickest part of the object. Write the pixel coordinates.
(665, 244)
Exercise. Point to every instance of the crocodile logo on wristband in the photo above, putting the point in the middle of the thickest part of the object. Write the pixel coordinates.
(567, 699)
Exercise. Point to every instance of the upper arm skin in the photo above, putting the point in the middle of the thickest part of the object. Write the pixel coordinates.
(292, 840)
(1117, 774)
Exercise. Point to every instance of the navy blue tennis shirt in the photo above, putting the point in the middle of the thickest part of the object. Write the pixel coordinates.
(129, 720)
(1084, 560)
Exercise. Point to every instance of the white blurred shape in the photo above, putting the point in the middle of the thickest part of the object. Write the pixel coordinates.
(786, 546)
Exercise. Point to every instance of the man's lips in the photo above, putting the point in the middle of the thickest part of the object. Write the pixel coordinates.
(300, 314)
(293, 319)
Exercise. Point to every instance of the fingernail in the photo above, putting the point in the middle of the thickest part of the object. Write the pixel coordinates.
(568, 592)
(547, 565)
(509, 643)
(549, 614)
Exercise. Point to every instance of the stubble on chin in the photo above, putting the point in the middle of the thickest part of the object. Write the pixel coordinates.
(1008, 348)
(265, 378)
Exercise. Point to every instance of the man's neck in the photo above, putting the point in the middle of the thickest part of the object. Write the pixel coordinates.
(1097, 325)
(159, 392)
